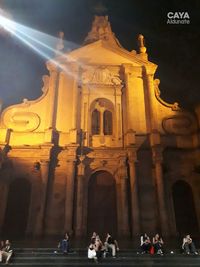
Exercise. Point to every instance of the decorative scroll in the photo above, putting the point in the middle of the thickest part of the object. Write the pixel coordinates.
(21, 121)
(179, 125)
(174, 106)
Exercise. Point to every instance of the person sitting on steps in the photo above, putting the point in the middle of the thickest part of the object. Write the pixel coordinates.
(92, 254)
(111, 243)
(145, 243)
(158, 244)
(64, 244)
(188, 245)
(6, 251)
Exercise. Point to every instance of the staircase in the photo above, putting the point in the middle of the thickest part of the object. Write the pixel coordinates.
(38, 257)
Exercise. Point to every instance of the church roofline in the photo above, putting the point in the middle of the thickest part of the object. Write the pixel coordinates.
(132, 56)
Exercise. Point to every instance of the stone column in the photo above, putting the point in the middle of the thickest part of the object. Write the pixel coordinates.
(53, 84)
(101, 110)
(85, 113)
(157, 160)
(151, 101)
(80, 191)
(118, 113)
(44, 167)
(74, 68)
(3, 202)
(69, 198)
(122, 172)
(135, 213)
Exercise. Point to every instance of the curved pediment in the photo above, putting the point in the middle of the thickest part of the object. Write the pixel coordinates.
(26, 116)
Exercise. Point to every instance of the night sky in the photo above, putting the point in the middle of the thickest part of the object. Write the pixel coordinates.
(174, 48)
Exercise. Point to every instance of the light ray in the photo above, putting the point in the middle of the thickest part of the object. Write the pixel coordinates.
(40, 42)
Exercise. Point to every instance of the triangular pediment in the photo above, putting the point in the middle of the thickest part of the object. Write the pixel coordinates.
(100, 52)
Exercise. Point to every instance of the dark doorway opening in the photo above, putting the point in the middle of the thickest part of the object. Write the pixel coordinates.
(102, 208)
(17, 210)
(186, 219)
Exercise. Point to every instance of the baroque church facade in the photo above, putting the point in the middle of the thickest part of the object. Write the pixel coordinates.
(99, 150)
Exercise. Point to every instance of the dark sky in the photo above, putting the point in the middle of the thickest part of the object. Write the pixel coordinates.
(175, 48)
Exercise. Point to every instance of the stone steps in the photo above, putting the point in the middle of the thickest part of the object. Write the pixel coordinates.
(126, 258)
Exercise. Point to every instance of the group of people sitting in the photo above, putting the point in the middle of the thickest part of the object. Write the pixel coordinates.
(97, 249)
(156, 246)
(6, 251)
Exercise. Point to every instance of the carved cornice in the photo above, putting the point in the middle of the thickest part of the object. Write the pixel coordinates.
(132, 71)
(106, 154)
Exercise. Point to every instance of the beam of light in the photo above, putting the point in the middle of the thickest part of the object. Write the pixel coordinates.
(40, 42)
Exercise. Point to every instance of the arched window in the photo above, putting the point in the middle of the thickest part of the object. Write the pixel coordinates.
(95, 122)
(107, 122)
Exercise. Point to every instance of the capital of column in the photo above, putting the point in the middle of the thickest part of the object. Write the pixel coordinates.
(131, 70)
(71, 150)
(157, 154)
(122, 169)
(81, 166)
(150, 70)
(44, 162)
(71, 162)
(132, 154)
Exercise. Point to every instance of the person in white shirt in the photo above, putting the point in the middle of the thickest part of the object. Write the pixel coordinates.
(92, 254)
(6, 251)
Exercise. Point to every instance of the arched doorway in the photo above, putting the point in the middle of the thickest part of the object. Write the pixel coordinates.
(186, 219)
(17, 210)
(102, 208)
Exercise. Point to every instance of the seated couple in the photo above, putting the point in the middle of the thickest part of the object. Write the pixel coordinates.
(96, 248)
(156, 247)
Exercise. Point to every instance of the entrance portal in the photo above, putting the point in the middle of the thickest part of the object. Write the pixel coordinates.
(102, 211)
(18, 201)
(186, 220)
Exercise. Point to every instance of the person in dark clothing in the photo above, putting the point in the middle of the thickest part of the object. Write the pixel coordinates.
(99, 247)
(188, 245)
(158, 244)
(145, 243)
(64, 244)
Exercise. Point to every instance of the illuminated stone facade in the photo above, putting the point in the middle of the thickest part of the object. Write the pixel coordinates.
(99, 150)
